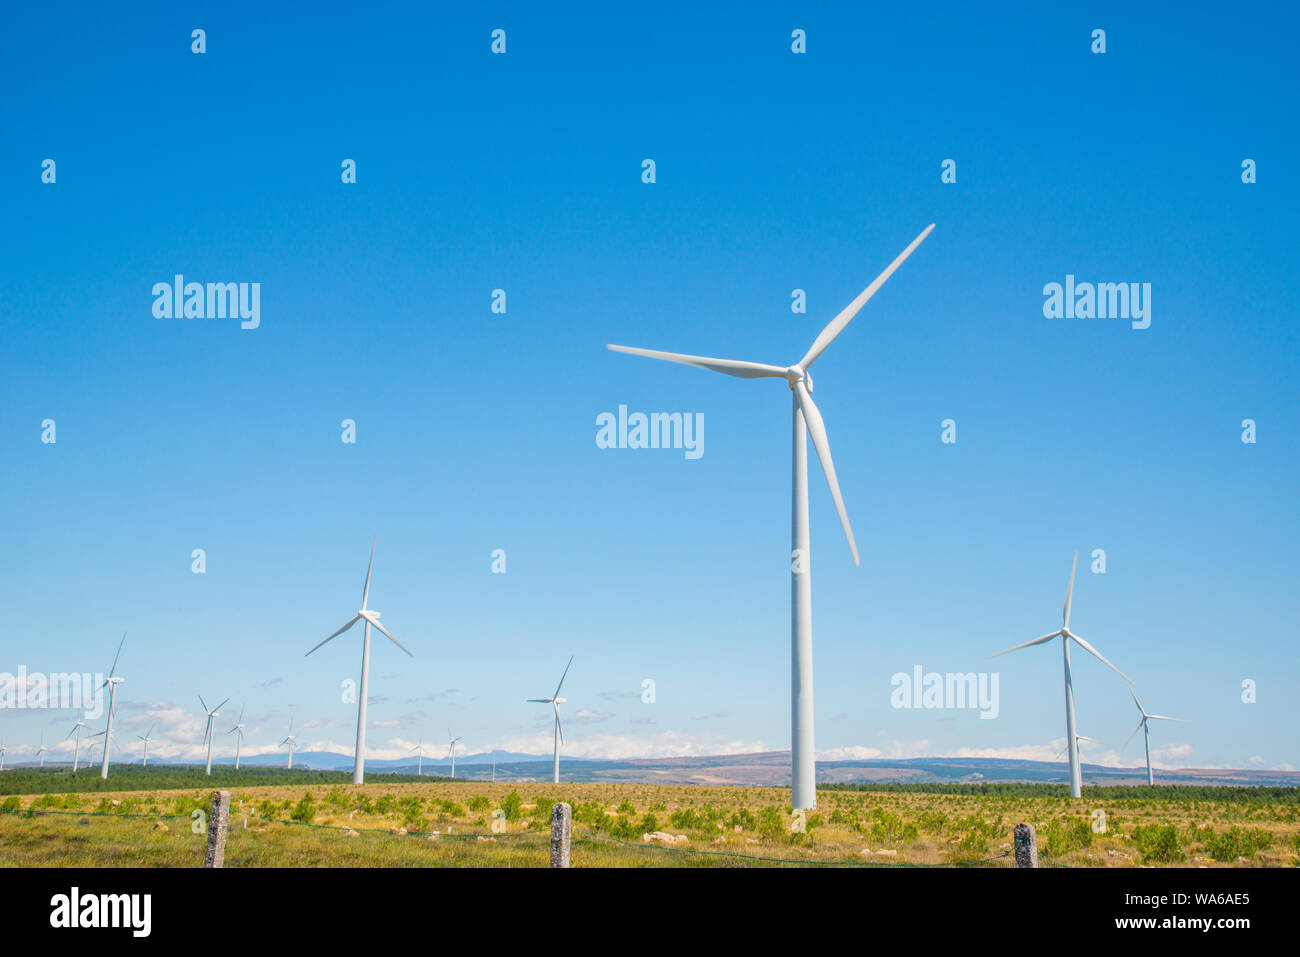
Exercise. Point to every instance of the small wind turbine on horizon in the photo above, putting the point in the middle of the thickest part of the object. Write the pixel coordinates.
(807, 421)
(146, 738)
(419, 750)
(40, 752)
(451, 752)
(111, 683)
(291, 741)
(1066, 636)
(207, 734)
(370, 617)
(1146, 731)
(76, 748)
(238, 731)
(555, 701)
(3, 749)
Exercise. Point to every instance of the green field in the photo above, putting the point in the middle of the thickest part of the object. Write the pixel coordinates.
(420, 822)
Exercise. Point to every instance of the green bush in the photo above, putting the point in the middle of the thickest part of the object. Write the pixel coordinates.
(1158, 843)
(305, 810)
(479, 803)
(1235, 843)
(511, 804)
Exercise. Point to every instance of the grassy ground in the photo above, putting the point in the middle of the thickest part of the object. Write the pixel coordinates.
(388, 824)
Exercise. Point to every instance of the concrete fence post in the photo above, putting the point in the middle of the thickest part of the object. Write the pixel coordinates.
(1026, 845)
(561, 834)
(218, 821)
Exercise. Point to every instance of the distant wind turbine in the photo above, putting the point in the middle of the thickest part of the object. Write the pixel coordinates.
(3, 749)
(40, 752)
(419, 749)
(238, 731)
(807, 421)
(555, 701)
(451, 752)
(76, 748)
(370, 617)
(292, 742)
(111, 682)
(1146, 731)
(1066, 636)
(207, 734)
(146, 738)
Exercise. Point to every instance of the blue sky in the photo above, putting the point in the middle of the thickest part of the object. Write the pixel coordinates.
(476, 431)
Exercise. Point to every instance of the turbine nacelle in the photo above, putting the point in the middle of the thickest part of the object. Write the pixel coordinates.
(797, 373)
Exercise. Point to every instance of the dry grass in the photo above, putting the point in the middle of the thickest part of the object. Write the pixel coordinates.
(723, 826)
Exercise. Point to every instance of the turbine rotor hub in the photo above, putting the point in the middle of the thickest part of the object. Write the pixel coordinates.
(796, 373)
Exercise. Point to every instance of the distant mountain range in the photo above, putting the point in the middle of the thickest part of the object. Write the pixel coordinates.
(772, 769)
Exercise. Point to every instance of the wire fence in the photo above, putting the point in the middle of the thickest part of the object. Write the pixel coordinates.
(251, 842)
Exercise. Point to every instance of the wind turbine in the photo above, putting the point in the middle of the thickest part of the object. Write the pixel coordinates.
(419, 749)
(146, 738)
(111, 682)
(370, 617)
(238, 731)
(451, 752)
(3, 749)
(76, 729)
(292, 742)
(1146, 731)
(555, 701)
(806, 420)
(40, 752)
(1066, 636)
(207, 734)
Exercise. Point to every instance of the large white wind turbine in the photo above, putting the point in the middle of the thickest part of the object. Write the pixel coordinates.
(419, 749)
(111, 682)
(451, 751)
(555, 701)
(76, 748)
(370, 617)
(807, 421)
(238, 732)
(146, 738)
(1146, 731)
(1066, 636)
(207, 733)
(292, 742)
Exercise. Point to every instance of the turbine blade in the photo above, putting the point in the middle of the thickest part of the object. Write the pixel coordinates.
(1089, 648)
(736, 367)
(390, 637)
(540, 700)
(1135, 731)
(113, 670)
(559, 725)
(337, 633)
(836, 325)
(206, 709)
(1137, 702)
(1069, 594)
(365, 591)
(218, 707)
(562, 677)
(817, 430)
(1036, 641)
(1165, 717)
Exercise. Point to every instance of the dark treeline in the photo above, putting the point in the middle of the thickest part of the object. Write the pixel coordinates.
(61, 780)
(1159, 792)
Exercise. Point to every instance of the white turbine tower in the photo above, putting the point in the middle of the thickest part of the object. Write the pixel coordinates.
(292, 742)
(111, 682)
(238, 731)
(1066, 636)
(807, 420)
(40, 752)
(370, 617)
(419, 750)
(555, 701)
(451, 752)
(76, 748)
(207, 733)
(1146, 731)
(146, 738)
(3, 749)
